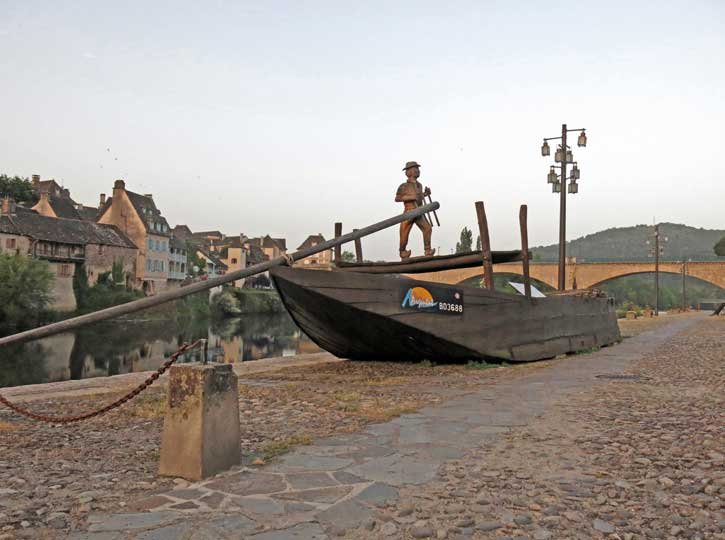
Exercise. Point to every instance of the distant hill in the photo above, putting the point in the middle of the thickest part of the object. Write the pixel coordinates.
(629, 244)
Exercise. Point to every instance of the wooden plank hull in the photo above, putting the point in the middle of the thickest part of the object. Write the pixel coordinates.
(390, 317)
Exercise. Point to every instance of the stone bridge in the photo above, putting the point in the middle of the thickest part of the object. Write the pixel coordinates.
(586, 274)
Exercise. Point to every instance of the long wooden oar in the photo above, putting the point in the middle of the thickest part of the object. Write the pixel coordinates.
(145, 303)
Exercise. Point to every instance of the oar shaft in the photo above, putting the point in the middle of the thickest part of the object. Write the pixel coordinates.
(151, 301)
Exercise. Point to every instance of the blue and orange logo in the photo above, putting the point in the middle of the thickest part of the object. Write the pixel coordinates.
(419, 297)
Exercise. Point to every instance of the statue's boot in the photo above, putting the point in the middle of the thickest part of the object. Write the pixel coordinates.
(404, 253)
(430, 252)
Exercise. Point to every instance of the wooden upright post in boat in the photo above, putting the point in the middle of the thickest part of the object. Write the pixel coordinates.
(358, 249)
(485, 245)
(338, 248)
(525, 249)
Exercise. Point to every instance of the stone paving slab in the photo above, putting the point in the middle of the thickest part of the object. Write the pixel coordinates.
(336, 484)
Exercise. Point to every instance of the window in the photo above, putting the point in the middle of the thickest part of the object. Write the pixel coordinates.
(158, 246)
(64, 270)
(148, 265)
(10, 243)
(162, 265)
(151, 244)
(234, 261)
(100, 249)
(183, 268)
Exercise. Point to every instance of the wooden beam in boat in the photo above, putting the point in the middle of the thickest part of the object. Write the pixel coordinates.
(338, 247)
(485, 245)
(523, 211)
(358, 249)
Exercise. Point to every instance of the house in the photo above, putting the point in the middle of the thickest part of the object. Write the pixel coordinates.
(319, 260)
(271, 247)
(234, 255)
(66, 244)
(182, 232)
(55, 201)
(214, 265)
(177, 261)
(139, 218)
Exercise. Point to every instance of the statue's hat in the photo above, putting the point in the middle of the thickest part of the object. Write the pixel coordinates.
(410, 165)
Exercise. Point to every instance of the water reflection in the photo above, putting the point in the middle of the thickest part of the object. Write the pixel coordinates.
(133, 345)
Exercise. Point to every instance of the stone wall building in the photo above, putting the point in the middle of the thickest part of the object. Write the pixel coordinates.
(322, 260)
(177, 261)
(139, 218)
(66, 244)
(55, 201)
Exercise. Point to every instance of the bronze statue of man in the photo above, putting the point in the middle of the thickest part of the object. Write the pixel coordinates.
(411, 194)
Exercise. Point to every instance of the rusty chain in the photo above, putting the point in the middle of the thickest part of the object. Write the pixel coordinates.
(129, 396)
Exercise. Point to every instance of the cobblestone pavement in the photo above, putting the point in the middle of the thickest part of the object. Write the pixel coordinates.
(557, 452)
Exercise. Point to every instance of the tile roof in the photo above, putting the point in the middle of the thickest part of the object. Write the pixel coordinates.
(146, 210)
(311, 240)
(27, 222)
(213, 257)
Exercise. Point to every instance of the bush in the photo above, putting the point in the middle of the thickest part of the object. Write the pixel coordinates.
(235, 302)
(25, 286)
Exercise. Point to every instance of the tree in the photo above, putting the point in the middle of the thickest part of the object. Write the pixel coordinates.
(348, 257)
(720, 248)
(464, 246)
(478, 243)
(25, 286)
(20, 189)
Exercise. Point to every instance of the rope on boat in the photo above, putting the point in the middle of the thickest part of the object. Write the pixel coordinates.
(129, 396)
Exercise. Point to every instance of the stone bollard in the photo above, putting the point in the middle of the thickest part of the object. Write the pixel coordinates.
(201, 427)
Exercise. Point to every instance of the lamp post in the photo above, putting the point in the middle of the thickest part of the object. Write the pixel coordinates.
(656, 249)
(684, 282)
(564, 156)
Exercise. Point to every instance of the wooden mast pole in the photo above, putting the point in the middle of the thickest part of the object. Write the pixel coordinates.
(358, 249)
(338, 247)
(523, 211)
(485, 245)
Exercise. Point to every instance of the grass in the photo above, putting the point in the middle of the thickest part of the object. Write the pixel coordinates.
(150, 407)
(6, 426)
(276, 448)
(379, 412)
(473, 364)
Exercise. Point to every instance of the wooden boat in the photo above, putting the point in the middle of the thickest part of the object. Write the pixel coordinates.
(367, 315)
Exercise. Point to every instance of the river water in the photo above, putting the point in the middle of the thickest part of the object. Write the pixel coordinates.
(132, 345)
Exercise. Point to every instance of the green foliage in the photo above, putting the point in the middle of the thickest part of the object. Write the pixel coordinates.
(105, 293)
(25, 287)
(632, 293)
(628, 244)
(348, 257)
(478, 242)
(464, 246)
(192, 259)
(80, 285)
(234, 302)
(719, 248)
(20, 189)
(473, 364)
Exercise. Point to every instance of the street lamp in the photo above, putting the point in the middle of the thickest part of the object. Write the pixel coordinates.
(563, 156)
(657, 249)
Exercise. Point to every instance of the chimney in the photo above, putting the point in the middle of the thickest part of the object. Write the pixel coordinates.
(118, 185)
(36, 180)
(102, 201)
(65, 192)
(149, 195)
(8, 207)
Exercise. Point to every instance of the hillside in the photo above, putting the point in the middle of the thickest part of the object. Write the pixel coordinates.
(629, 244)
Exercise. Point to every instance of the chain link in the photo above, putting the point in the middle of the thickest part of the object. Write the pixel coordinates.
(85, 416)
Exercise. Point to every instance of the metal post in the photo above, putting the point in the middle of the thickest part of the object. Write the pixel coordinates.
(358, 249)
(562, 214)
(657, 270)
(525, 249)
(338, 247)
(485, 245)
(684, 284)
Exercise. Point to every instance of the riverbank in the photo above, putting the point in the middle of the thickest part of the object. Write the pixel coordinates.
(49, 488)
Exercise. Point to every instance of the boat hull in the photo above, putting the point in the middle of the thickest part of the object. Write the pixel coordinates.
(390, 317)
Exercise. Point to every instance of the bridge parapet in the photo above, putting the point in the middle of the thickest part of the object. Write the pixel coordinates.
(586, 274)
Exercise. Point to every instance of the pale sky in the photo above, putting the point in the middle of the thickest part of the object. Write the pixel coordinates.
(284, 117)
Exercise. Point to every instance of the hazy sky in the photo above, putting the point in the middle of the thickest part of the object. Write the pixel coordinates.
(283, 117)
